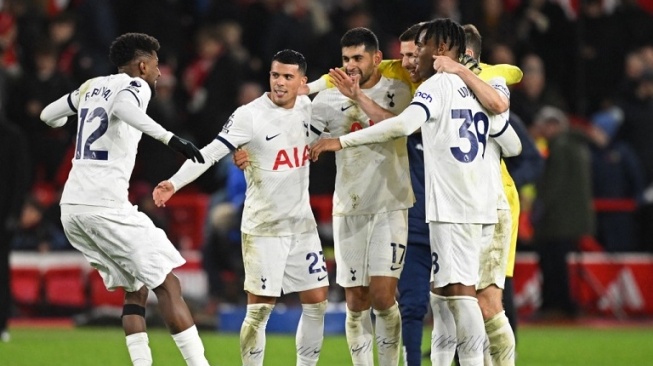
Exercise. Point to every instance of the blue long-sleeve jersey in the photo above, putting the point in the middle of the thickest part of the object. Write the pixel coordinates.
(418, 229)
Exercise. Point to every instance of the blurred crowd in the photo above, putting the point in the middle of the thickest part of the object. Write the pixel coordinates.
(586, 98)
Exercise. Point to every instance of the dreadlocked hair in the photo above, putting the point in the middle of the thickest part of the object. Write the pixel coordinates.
(444, 30)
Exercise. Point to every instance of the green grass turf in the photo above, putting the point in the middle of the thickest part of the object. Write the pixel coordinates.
(548, 346)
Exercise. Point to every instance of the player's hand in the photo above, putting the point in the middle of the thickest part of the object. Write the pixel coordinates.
(241, 159)
(446, 64)
(471, 63)
(322, 145)
(162, 193)
(186, 148)
(347, 85)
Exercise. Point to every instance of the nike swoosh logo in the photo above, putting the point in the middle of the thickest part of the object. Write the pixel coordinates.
(321, 278)
(393, 268)
(355, 350)
(255, 352)
(347, 107)
(268, 138)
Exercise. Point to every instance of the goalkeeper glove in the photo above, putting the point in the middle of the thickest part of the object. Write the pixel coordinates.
(470, 63)
(186, 148)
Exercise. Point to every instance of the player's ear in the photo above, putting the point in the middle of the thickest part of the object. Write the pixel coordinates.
(378, 56)
(304, 80)
(442, 49)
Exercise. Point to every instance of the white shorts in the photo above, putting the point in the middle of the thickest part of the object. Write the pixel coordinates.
(292, 263)
(123, 245)
(455, 252)
(494, 255)
(369, 245)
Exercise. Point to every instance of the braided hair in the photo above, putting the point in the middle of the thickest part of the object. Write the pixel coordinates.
(444, 30)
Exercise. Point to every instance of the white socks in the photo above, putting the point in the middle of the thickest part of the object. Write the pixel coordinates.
(502, 340)
(443, 337)
(310, 333)
(457, 325)
(191, 347)
(139, 350)
(469, 329)
(252, 334)
(358, 328)
(388, 335)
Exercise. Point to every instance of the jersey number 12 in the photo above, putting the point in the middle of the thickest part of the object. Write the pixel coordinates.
(83, 149)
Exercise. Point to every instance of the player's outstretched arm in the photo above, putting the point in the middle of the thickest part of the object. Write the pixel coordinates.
(490, 98)
(350, 87)
(186, 148)
(404, 124)
(56, 113)
(162, 193)
(126, 109)
(507, 138)
(323, 145)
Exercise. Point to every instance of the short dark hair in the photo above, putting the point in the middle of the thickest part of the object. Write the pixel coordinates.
(411, 33)
(473, 40)
(291, 57)
(360, 36)
(444, 30)
(128, 46)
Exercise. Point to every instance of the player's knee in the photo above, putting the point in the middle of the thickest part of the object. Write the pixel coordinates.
(358, 298)
(413, 309)
(490, 305)
(170, 284)
(133, 309)
(382, 292)
(138, 297)
(382, 301)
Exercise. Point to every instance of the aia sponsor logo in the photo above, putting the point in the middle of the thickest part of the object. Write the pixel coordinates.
(294, 157)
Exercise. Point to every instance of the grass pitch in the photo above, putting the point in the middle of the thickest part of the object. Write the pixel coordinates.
(543, 345)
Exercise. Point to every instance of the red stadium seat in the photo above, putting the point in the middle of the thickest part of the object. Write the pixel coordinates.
(65, 287)
(26, 286)
(187, 215)
(100, 296)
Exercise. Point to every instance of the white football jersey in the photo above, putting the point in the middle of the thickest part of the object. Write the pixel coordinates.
(277, 141)
(455, 136)
(373, 178)
(105, 147)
